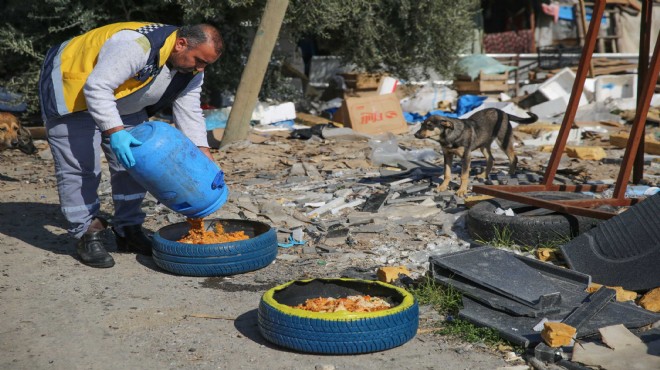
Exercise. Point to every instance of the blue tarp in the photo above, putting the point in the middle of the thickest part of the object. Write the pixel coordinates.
(566, 13)
(11, 102)
(465, 103)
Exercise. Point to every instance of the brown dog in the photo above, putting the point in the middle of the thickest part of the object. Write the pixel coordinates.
(462, 136)
(13, 135)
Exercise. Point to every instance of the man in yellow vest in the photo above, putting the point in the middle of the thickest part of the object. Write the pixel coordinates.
(92, 89)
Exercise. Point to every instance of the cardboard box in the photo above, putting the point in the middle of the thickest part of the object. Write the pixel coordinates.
(373, 114)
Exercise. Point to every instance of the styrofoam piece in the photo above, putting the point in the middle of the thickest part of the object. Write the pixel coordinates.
(616, 87)
(528, 89)
(551, 108)
(597, 111)
(560, 86)
(589, 85)
(267, 114)
(387, 85)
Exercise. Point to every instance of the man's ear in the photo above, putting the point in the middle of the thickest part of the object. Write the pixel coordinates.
(180, 44)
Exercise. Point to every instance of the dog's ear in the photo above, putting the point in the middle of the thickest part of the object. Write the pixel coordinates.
(447, 124)
(25, 142)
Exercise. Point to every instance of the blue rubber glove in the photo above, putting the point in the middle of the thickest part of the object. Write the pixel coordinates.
(121, 142)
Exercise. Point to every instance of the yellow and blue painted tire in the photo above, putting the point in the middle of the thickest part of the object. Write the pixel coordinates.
(340, 332)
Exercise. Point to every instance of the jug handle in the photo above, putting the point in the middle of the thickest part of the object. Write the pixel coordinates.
(219, 180)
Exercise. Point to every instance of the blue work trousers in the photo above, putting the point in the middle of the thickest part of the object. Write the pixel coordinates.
(76, 143)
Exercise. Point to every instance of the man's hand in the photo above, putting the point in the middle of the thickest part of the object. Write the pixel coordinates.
(121, 142)
(207, 153)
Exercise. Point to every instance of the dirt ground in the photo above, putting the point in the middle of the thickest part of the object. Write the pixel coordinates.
(56, 313)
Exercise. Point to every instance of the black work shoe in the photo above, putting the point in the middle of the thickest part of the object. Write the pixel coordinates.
(133, 241)
(92, 252)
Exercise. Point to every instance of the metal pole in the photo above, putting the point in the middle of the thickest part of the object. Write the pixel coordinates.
(644, 103)
(576, 93)
(644, 46)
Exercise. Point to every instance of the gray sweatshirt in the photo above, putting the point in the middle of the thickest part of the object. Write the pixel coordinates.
(120, 58)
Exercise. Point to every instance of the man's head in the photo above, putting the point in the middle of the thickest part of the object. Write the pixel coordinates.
(195, 48)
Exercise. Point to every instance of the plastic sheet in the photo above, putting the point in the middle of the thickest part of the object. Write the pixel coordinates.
(385, 150)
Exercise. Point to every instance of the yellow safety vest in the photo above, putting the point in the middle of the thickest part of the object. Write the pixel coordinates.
(67, 66)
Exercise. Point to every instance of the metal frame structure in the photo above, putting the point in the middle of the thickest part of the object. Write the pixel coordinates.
(634, 154)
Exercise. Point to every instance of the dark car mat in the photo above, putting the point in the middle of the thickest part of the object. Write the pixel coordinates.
(571, 286)
(520, 329)
(622, 251)
(501, 273)
(488, 297)
(490, 272)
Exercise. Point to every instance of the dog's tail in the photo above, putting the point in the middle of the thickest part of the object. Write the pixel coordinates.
(532, 118)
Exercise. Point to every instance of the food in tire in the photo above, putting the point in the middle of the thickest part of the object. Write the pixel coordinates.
(198, 233)
(352, 303)
(341, 332)
(218, 259)
(528, 230)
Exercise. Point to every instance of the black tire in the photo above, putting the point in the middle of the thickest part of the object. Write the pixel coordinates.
(215, 259)
(547, 229)
(341, 332)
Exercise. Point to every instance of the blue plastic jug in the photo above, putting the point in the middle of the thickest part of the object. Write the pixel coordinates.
(175, 171)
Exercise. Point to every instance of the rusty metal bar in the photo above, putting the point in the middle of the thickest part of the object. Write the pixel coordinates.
(578, 86)
(548, 204)
(644, 103)
(589, 203)
(554, 187)
(642, 70)
(634, 147)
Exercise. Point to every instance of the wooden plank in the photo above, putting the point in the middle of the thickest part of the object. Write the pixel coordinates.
(651, 146)
(310, 119)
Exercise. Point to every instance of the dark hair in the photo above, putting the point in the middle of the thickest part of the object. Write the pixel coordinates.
(201, 33)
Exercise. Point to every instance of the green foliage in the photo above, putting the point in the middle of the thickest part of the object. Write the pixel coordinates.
(501, 239)
(442, 298)
(470, 333)
(402, 37)
(554, 243)
(448, 301)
